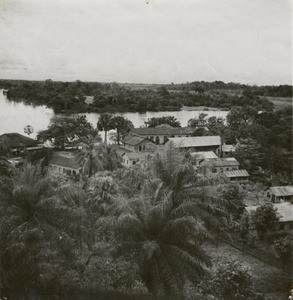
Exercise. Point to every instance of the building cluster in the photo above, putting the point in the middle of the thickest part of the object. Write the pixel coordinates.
(208, 153)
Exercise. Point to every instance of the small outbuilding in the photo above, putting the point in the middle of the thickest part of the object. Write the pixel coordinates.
(227, 150)
(131, 158)
(202, 156)
(221, 165)
(237, 175)
(285, 213)
(63, 162)
(281, 193)
(137, 143)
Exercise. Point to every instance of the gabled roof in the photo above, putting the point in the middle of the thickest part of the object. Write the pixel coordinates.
(66, 160)
(14, 140)
(134, 139)
(204, 155)
(163, 129)
(195, 141)
(282, 190)
(284, 210)
(236, 173)
(221, 162)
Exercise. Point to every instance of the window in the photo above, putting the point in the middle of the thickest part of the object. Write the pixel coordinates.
(139, 148)
(157, 140)
(165, 139)
(134, 162)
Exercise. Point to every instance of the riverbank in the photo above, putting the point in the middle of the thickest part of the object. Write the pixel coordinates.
(205, 108)
(15, 115)
(94, 97)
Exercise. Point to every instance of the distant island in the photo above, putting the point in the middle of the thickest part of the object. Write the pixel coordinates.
(79, 96)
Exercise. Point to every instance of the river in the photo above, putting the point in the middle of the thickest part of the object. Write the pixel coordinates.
(14, 116)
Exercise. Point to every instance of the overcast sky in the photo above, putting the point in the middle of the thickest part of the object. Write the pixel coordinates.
(147, 41)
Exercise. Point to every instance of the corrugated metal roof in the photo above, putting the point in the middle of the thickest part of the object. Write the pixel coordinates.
(282, 190)
(236, 173)
(195, 141)
(65, 159)
(163, 129)
(222, 162)
(204, 155)
(284, 210)
(134, 139)
(14, 140)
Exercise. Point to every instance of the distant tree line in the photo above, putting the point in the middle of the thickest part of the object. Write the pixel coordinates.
(203, 86)
(113, 97)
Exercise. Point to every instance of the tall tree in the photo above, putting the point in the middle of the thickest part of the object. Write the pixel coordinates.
(66, 131)
(90, 155)
(264, 219)
(105, 124)
(199, 121)
(164, 227)
(111, 160)
(170, 120)
(36, 227)
(122, 126)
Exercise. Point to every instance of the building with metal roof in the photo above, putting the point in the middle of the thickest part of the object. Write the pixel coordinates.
(17, 143)
(131, 158)
(197, 143)
(135, 142)
(226, 150)
(221, 164)
(202, 156)
(279, 193)
(237, 175)
(284, 211)
(161, 133)
(64, 162)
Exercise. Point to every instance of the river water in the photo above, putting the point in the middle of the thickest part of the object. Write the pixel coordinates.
(14, 116)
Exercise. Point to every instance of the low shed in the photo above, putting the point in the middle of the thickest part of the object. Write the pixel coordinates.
(237, 175)
(279, 193)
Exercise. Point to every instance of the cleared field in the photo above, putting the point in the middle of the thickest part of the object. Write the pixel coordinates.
(280, 102)
(266, 278)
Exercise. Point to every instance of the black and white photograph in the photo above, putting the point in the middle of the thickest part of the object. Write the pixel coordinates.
(146, 150)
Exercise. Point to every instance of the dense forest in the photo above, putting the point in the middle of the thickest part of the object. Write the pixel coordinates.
(81, 96)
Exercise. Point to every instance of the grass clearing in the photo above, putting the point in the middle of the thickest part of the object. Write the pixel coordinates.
(266, 279)
(280, 102)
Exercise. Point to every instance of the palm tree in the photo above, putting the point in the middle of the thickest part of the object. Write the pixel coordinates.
(90, 155)
(163, 229)
(105, 124)
(111, 160)
(122, 126)
(34, 219)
